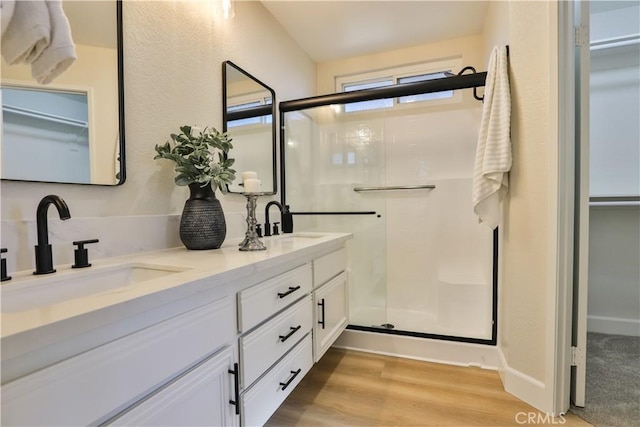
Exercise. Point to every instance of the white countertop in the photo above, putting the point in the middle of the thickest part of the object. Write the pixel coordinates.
(198, 272)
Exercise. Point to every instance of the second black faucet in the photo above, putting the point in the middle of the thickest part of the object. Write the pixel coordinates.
(285, 217)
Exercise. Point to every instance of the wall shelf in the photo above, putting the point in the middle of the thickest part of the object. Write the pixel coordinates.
(26, 112)
(629, 41)
(613, 201)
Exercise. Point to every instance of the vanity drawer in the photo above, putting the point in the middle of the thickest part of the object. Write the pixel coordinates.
(262, 400)
(329, 266)
(264, 346)
(100, 382)
(261, 301)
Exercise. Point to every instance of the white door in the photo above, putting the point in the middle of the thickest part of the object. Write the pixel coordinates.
(581, 258)
(204, 396)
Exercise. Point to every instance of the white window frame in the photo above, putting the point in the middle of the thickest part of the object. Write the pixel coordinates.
(452, 64)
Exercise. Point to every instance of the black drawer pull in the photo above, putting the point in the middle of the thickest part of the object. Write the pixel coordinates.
(236, 382)
(321, 322)
(283, 338)
(295, 374)
(291, 290)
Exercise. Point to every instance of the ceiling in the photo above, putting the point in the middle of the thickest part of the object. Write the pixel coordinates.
(335, 29)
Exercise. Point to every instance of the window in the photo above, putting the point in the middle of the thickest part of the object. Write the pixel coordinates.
(256, 120)
(367, 105)
(425, 96)
(406, 74)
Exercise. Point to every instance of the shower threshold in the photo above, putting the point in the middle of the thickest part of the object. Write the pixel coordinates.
(389, 328)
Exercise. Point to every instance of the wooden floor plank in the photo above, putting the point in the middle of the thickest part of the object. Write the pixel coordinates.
(349, 388)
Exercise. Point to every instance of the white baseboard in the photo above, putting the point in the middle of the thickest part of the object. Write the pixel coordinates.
(524, 387)
(430, 350)
(613, 325)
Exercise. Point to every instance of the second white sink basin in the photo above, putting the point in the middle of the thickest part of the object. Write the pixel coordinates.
(30, 292)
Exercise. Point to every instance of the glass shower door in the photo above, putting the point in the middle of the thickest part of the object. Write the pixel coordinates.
(327, 155)
(420, 263)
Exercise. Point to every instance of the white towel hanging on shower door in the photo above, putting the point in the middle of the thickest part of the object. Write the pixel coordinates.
(493, 153)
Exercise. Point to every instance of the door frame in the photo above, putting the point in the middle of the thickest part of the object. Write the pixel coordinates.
(581, 256)
(569, 205)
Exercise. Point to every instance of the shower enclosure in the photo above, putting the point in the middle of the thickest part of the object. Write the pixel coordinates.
(398, 175)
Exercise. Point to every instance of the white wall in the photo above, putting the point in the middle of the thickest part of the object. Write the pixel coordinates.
(173, 56)
(614, 231)
(614, 271)
(614, 101)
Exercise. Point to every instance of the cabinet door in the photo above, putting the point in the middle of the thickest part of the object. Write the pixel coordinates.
(331, 313)
(203, 396)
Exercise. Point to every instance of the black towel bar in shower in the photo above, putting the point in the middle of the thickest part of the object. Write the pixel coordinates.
(336, 213)
(395, 187)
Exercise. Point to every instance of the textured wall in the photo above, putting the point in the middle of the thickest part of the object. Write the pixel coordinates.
(528, 231)
(173, 56)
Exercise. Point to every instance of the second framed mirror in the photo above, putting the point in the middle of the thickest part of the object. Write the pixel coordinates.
(248, 117)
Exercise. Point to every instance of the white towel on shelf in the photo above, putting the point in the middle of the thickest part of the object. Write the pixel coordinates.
(27, 33)
(61, 52)
(6, 13)
(493, 153)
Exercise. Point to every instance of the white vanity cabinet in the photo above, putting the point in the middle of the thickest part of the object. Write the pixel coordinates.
(331, 300)
(275, 323)
(223, 346)
(96, 385)
(299, 314)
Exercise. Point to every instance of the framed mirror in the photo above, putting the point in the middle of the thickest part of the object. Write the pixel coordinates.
(248, 117)
(71, 130)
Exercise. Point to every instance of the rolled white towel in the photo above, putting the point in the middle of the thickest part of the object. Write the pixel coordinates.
(27, 33)
(6, 12)
(61, 52)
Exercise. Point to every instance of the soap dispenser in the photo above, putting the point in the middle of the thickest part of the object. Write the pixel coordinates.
(287, 220)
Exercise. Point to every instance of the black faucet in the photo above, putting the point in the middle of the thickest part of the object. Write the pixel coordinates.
(267, 224)
(44, 257)
(285, 217)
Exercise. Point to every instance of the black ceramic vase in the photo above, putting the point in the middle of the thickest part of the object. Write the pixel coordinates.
(202, 225)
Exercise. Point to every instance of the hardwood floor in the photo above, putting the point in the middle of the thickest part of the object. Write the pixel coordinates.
(348, 388)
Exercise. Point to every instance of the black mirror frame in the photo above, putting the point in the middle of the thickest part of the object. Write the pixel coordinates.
(253, 112)
(121, 144)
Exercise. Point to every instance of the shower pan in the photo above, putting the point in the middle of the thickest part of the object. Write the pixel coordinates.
(400, 179)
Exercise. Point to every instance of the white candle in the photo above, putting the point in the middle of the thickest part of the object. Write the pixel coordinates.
(249, 175)
(252, 185)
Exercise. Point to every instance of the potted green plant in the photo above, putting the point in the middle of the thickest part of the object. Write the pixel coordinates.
(203, 164)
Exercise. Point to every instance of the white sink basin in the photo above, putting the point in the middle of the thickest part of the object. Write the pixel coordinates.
(29, 292)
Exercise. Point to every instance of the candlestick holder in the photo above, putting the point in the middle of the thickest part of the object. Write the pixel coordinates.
(251, 241)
